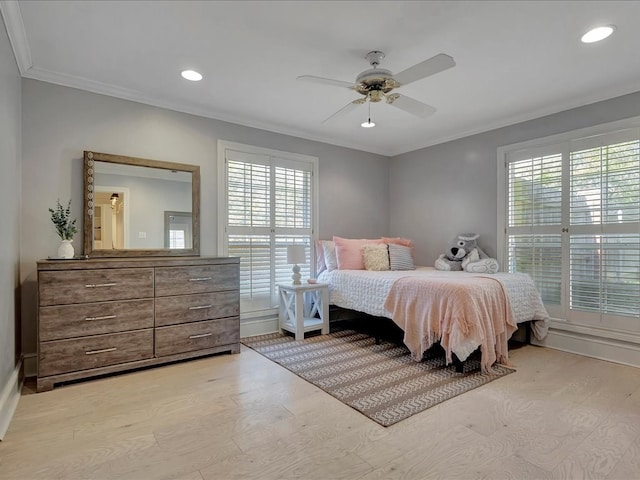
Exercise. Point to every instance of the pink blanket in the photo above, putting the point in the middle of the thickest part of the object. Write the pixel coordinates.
(461, 311)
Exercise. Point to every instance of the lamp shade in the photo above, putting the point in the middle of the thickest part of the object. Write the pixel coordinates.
(296, 255)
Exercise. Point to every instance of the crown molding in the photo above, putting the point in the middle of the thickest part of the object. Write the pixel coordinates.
(556, 108)
(10, 10)
(81, 83)
(93, 86)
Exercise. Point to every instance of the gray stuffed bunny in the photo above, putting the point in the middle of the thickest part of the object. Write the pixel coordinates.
(464, 253)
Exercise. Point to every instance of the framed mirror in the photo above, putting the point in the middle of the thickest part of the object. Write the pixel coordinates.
(140, 207)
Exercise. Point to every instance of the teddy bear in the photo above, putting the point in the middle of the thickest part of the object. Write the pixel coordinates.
(464, 254)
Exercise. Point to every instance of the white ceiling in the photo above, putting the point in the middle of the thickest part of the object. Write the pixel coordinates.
(516, 60)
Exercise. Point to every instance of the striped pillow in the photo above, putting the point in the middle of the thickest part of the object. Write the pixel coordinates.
(400, 257)
(400, 241)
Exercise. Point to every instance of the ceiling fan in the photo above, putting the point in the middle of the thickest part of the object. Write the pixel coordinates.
(376, 84)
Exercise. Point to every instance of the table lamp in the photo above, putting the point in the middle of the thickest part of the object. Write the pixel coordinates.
(296, 255)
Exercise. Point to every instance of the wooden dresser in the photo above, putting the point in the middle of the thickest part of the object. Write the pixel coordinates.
(108, 315)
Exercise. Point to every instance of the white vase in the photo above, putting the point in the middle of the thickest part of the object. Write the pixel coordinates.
(65, 250)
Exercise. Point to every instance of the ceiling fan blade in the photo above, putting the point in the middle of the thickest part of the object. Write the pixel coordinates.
(411, 106)
(325, 81)
(425, 69)
(344, 110)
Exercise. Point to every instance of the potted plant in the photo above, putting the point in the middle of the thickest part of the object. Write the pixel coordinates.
(65, 229)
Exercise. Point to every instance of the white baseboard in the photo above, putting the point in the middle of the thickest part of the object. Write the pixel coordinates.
(9, 398)
(263, 326)
(611, 350)
(30, 365)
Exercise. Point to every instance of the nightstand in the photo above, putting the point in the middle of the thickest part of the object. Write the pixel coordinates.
(304, 308)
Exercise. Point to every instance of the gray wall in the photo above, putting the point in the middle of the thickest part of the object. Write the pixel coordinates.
(59, 123)
(10, 91)
(439, 191)
(428, 195)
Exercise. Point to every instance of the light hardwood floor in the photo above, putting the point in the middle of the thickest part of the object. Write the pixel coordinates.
(244, 417)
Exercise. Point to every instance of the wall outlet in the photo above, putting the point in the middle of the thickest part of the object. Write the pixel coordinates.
(142, 234)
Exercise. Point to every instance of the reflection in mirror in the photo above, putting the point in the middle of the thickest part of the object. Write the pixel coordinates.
(133, 201)
(140, 207)
(177, 229)
(109, 218)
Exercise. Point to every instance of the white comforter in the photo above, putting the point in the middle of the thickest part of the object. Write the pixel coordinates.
(366, 291)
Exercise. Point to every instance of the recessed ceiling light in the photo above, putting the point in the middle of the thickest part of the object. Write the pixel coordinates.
(597, 34)
(191, 75)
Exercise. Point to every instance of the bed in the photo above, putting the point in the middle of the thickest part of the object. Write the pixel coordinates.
(462, 311)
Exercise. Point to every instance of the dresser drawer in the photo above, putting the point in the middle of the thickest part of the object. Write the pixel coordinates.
(61, 356)
(196, 279)
(197, 336)
(196, 307)
(69, 321)
(84, 286)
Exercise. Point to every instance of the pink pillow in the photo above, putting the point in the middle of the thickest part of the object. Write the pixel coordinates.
(405, 242)
(349, 252)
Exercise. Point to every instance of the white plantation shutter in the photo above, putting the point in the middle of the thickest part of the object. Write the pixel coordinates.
(535, 191)
(248, 193)
(604, 183)
(534, 243)
(255, 269)
(605, 229)
(292, 198)
(541, 257)
(269, 206)
(604, 274)
(573, 223)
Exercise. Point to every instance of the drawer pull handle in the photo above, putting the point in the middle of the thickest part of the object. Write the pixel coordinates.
(200, 279)
(95, 285)
(200, 307)
(201, 335)
(104, 350)
(104, 317)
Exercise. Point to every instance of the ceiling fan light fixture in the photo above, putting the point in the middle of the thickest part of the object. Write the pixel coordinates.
(598, 33)
(191, 75)
(376, 84)
(368, 123)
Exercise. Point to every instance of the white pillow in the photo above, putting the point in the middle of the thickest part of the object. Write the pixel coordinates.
(375, 257)
(329, 250)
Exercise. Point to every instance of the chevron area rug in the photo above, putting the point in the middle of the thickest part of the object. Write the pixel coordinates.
(380, 381)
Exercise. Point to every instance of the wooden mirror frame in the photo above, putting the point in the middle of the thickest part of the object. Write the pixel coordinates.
(88, 173)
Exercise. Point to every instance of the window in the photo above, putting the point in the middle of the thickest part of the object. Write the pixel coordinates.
(604, 209)
(269, 204)
(534, 220)
(178, 228)
(176, 239)
(572, 221)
